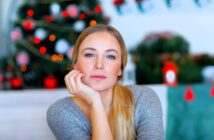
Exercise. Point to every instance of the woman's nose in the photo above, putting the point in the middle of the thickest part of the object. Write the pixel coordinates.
(99, 63)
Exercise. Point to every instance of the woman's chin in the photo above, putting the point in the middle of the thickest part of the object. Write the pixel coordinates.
(98, 87)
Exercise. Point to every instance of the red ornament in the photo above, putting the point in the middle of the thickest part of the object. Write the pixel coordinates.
(170, 71)
(36, 40)
(9, 68)
(89, 12)
(212, 91)
(189, 94)
(81, 16)
(64, 14)
(30, 12)
(118, 2)
(28, 25)
(16, 82)
(1, 77)
(49, 18)
(98, 9)
(43, 50)
(50, 82)
(138, 1)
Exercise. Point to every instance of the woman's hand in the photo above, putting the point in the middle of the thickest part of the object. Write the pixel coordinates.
(76, 87)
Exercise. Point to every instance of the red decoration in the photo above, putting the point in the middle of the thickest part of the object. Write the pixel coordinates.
(138, 1)
(170, 71)
(81, 16)
(9, 68)
(30, 12)
(28, 25)
(49, 18)
(36, 40)
(90, 13)
(1, 77)
(118, 2)
(50, 82)
(16, 82)
(42, 50)
(212, 91)
(189, 94)
(98, 9)
(64, 14)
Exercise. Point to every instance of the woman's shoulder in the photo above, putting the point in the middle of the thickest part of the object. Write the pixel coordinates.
(59, 109)
(143, 93)
(60, 105)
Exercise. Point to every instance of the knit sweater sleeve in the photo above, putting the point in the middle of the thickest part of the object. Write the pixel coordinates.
(148, 114)
(66, 123)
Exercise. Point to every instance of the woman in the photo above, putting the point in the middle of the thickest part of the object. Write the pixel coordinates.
(101, 108)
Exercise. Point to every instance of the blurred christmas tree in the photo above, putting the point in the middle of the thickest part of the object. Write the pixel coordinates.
(44, 33)
(158, 49)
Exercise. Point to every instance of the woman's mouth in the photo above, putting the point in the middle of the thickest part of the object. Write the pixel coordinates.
(98, 77)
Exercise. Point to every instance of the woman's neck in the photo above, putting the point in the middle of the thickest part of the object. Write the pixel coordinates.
(106, 97)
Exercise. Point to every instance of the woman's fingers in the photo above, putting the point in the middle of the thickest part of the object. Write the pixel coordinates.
(78, 81)
(70, 82)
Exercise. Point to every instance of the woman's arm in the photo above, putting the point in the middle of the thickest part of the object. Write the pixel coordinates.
(100, 125)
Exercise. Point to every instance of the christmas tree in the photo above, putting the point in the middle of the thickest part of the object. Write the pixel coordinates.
(44, 34)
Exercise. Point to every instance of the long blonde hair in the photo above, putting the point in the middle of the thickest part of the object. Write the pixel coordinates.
(121, 116)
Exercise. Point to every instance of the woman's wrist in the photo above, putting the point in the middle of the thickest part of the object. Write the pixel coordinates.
(97, 102)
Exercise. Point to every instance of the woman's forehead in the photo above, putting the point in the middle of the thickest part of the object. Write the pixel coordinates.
(100, 40)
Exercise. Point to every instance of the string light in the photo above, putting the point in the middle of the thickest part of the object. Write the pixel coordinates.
(23, 68)
(93, 22)
(52, 37)
(60, 57)
(56, 57)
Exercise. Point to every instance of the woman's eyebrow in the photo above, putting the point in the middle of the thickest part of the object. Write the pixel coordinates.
(112, 50)
(89, 49)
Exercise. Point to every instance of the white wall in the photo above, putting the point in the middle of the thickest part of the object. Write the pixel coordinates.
(195, 24)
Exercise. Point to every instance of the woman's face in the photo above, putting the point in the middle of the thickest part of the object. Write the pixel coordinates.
(99, 59)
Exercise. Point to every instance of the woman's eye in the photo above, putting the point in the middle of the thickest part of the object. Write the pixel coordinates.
(89, 55)
(112, 57)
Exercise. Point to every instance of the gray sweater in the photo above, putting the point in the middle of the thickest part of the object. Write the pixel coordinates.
(67, 122)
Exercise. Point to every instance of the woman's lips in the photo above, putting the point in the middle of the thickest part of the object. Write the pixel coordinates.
(98, 77)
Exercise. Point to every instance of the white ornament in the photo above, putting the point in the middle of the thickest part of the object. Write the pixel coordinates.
(62, 46)
(79, 25)
(170, 76)
(55, 9)
(40, 33)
